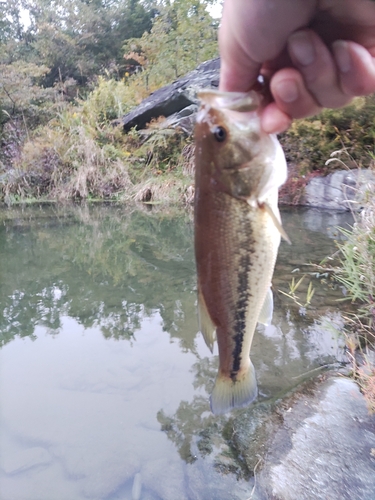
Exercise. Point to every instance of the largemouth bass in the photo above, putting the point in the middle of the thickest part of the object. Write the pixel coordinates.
(239, 170)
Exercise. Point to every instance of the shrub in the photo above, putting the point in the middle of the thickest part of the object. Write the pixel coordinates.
(309, 142)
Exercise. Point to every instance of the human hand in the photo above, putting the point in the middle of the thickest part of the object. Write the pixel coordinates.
(314, 53)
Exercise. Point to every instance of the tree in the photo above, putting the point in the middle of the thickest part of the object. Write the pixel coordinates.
(10, 21)
(80, 39)
(183, 35)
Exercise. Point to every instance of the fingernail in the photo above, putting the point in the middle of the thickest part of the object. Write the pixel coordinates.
(302, 48)
(286, 90)
(342, 55)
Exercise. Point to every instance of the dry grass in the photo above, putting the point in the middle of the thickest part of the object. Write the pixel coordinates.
(164, 189)
(361, 354)
(292, 192)
(366, 381)
(357, 273)
(81, 154)
(188, 160)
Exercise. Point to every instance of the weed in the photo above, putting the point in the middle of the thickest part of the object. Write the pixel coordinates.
(356, 272)
(82, 154)
(310, 141)
(357, 263)
(293, 288)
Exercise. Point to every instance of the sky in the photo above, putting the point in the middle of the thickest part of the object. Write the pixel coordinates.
(215, 9)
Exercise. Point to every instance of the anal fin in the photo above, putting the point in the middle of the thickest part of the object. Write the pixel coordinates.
(265, 316)
(206, 326)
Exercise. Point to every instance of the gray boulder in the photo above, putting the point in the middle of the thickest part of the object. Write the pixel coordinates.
(184, 119)
(341, 190)
(175, 97)
(325, 448)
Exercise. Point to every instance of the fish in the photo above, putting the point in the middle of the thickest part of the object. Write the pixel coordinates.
(237, 229)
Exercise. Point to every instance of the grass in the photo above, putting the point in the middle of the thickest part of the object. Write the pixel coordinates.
(357, 263)
(356, 272)
(83, 153)
(293, 289)
(309, 142)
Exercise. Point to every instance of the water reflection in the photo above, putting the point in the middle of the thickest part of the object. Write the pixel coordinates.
(103, 376)
(105, 267)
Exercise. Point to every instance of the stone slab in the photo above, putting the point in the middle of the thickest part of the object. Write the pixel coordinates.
(325, 448)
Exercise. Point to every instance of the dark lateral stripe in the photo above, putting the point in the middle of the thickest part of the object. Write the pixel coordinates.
(243, 294)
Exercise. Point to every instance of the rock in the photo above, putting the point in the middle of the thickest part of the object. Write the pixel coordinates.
(174, 97)
(326, 222)
(323, 449)
(341, 190)
(251, 429)
(184, 119)
(204, 481)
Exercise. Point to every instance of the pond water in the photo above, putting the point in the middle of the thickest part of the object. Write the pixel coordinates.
(104, 380)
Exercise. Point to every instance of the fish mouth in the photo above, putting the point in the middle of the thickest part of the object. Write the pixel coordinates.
(239, 107)
(233, 101)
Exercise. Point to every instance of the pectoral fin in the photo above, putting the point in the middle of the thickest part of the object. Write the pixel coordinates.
(265, 316)
(275, 220)
(206, 325)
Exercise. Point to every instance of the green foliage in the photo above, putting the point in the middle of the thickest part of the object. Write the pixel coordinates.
(110, 99)
(20, 90)
(55, 149)
(182, 35)
(310, 142)
(109, 264)
(24, 104)
(293, 292)
(9, 20)
(79, 39)
(82, 154)
(356, 272)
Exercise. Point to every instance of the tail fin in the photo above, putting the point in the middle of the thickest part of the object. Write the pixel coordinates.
(229, 394)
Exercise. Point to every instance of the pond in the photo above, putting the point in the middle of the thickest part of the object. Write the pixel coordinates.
(104, 379)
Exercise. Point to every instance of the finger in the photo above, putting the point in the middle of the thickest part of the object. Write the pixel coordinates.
(238, 75)
(291, 95)
(238, 69)
(356, 68)
(316, 64)
(350, 20)
(253, 32)
(273, 120)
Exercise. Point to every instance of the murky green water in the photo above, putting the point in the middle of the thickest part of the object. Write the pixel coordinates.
(104, 381)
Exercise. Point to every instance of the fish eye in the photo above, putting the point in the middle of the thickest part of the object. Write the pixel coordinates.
(220, 134)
